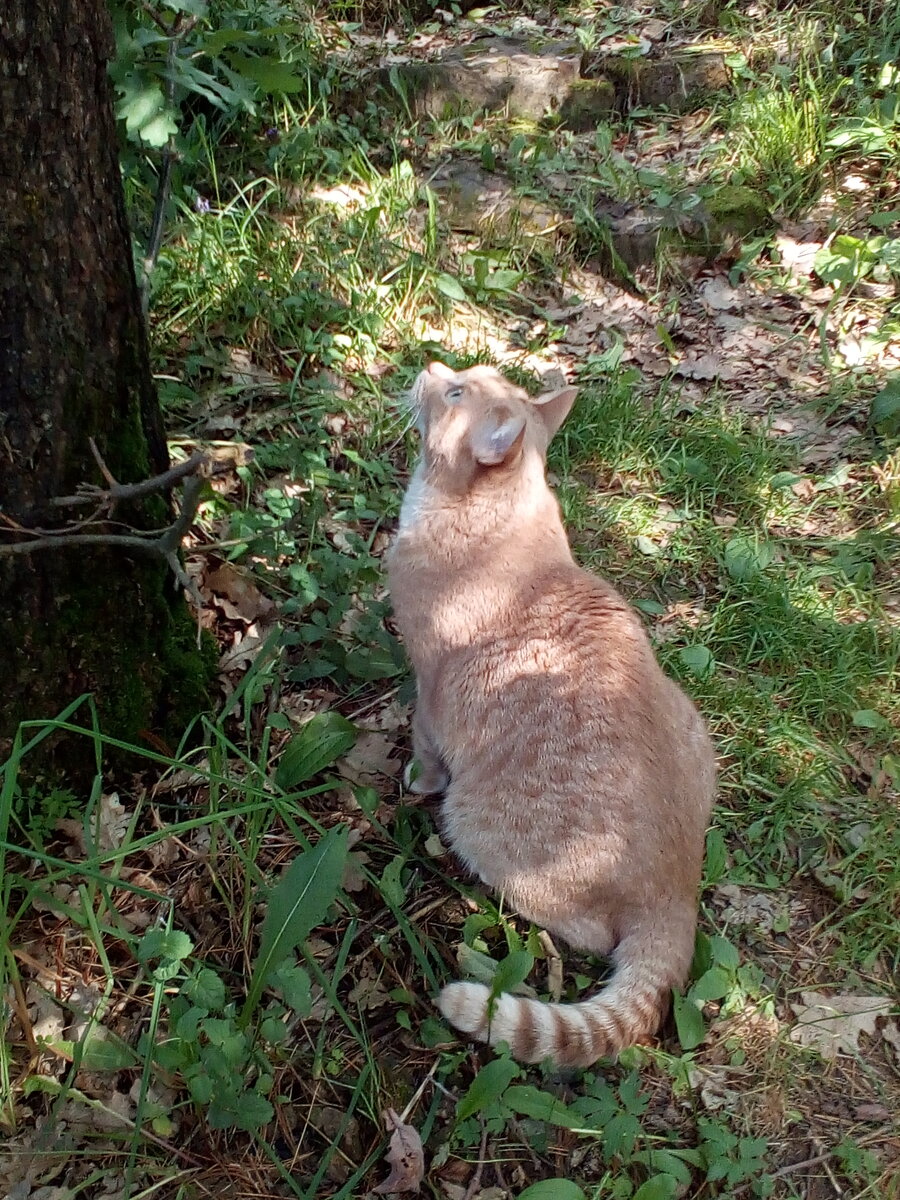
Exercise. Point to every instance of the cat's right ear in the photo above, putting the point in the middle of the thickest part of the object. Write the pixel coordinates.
(554, 407)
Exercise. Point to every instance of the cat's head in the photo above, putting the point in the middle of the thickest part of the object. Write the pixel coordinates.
(479, 418)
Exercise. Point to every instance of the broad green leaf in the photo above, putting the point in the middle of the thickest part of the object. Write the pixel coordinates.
(512, 971)
(101, 1050)
(273, 1030)
(253, 1111)
(716, 856)
(205, 989)
(488, 1086)
(713, 984)
(697, 659)
(476, 963)
(531, 1102)
(724, 953)
(391, 883)
(371, 663)
(319, 743)
(169, 945)
(293, 983)
(553, 1189)
(270, 74)
(868, 718)
(297, 904)
(747, 556)
(450, 287)
(187, 1027)
(688, 1021)
(660, 1187)
(885, 411)
(665, 1162)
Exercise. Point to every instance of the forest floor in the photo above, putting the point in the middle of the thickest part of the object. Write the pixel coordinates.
(222, 967)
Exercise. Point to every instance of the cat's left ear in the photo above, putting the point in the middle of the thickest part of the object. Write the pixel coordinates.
(497, 436)
(554, 407)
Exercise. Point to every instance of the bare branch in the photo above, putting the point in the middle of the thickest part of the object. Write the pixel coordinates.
(104, 469)
(89, 493)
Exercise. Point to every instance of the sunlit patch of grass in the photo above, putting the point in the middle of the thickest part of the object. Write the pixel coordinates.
(782, 637)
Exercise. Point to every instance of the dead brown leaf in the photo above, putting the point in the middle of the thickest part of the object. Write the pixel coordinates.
(833, 1024)
(405, 1157)
(369, 758)
(236, 586)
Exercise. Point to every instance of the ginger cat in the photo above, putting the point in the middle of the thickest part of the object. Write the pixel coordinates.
(578, 779)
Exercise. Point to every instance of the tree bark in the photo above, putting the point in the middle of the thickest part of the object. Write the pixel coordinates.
(74, 365)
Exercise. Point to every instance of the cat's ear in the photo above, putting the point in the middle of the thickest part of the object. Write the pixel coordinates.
(497, 436)
(554, 407)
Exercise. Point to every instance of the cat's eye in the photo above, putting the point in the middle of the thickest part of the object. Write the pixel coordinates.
(453, 395)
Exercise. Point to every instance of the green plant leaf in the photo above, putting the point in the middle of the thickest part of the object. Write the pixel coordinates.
(512, 970)
(319, 743)
(205, 989)
(531, 1102)
(724, 953)
(293, 983)
(885, 412)
(713, 984)
(371, 663)
(553, 1189)
(269, 74)
(101, 1050)
(688, 1021)
(488, 1085)
(297, 904)
(698, 659)
(391, 883)
(450, 287)
(747, 556)
(169, 946)
(660, 1187)
(868, 718)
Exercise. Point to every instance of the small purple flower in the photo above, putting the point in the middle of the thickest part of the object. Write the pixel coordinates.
(201, 204)
(273, 134)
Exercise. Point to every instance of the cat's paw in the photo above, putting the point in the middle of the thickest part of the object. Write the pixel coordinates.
(423, 782)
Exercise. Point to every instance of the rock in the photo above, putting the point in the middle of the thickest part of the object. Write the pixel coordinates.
(641, 234)
(588, 103)
(680, 78)
(738, 211)
(528, 79)
(474, 200)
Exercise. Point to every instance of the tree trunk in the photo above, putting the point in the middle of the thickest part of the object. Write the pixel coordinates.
(74, 365)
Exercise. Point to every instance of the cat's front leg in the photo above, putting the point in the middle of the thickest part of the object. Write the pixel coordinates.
(432, 776)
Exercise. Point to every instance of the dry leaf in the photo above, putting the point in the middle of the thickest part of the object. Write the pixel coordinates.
(249, 604)
(833, 1024)
(405, 1157)
(718, 295)
(353, 879)
(109, 827)
(705, 366)
(370, 757)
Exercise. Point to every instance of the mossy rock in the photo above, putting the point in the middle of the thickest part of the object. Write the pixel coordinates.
(739, 211)
(529, 79)
(474, 200)
(682, 79)
(635, 235)
(588, 104)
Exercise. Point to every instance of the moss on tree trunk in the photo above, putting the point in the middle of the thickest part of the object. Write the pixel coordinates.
(73, 366)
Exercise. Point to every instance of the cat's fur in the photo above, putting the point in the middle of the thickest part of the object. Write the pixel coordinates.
(579, 779)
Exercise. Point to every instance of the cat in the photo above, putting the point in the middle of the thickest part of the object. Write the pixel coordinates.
(578, 779)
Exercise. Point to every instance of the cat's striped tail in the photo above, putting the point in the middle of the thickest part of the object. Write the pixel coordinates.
(628, 1010)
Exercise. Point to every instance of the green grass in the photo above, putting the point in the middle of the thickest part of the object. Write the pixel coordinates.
(768, 588)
